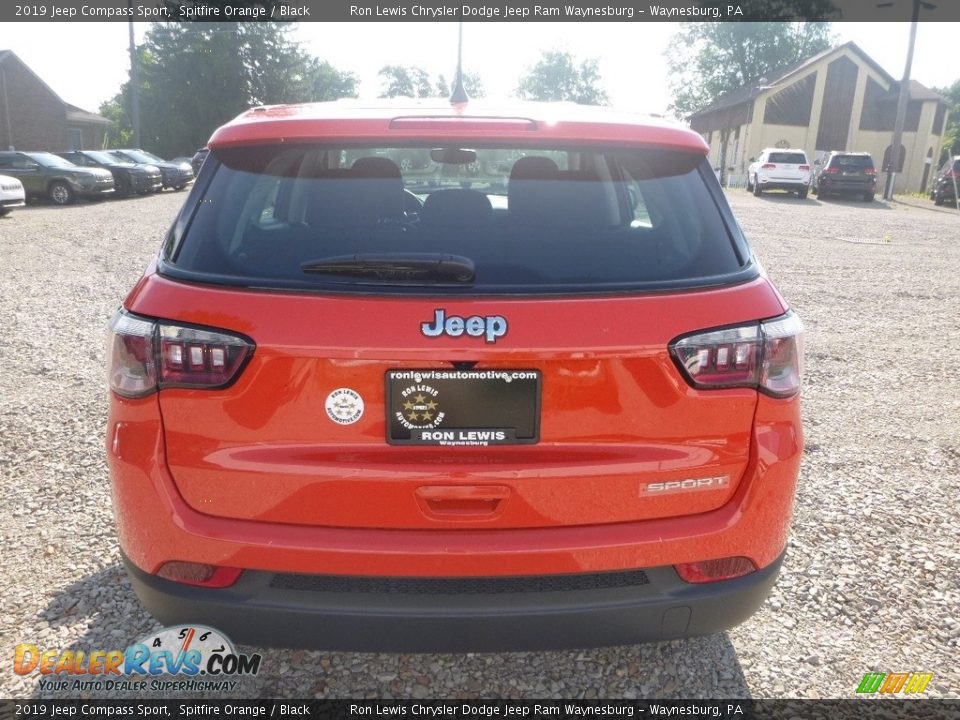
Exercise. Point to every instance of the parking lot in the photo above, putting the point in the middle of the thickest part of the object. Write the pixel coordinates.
(870, 581)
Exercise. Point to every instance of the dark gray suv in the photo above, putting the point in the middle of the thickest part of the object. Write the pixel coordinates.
(47, 175)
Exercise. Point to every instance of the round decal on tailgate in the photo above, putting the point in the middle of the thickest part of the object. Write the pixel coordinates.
(344, 406)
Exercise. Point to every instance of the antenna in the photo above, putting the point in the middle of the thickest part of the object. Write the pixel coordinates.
(459, 94)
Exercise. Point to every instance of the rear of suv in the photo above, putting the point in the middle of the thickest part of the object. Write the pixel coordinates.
(538, 395)
(776, 169)
(944, 187)
(846, 173)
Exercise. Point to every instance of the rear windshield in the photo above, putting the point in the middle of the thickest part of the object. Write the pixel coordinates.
(852, 161)
(788, 158)
(464, 219)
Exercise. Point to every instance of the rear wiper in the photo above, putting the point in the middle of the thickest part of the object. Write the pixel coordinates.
(397, 268)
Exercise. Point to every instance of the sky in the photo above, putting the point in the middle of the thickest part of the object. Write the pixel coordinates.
(85, 63)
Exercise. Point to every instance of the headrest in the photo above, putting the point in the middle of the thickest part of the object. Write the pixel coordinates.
(375, 167)
(533, 167)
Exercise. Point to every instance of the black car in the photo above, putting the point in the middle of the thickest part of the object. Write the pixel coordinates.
(128, 178)
(944, 187)
(196, 162)
(175, 175)
(845, 173)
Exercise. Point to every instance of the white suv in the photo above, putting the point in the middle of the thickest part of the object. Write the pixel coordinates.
(778, 169)
(11, 194)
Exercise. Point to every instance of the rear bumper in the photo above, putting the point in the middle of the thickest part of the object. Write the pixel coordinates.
(792, 185)
(273, 610)
(847, 186)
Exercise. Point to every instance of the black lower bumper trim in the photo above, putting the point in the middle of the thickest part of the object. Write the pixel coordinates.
(256, 612)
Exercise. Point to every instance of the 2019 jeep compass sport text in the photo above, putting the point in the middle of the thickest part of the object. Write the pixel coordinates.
(535, 393)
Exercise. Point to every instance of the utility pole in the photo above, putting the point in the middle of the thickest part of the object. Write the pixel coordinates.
(902, 101)
(134, 83)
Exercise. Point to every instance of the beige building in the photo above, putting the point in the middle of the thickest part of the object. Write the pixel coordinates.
(840, 99)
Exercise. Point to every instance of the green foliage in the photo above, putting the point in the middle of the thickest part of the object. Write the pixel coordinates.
(951, 134)
(557, 77)
(709, 59)
(415, 82)
(196, 76)
(402, 81)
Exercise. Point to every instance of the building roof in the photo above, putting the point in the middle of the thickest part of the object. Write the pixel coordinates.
(73, 113)
(754, 89)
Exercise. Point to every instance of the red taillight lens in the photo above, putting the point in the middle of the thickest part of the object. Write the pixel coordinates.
(709, 571)
(768, 166)
(869, 171)
(953, 174)
(190, 573)
(831, 171)
(804, 167)
(765, 355)
(149, 355)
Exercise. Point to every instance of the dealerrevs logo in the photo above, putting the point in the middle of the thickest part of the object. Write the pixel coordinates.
(186, 651)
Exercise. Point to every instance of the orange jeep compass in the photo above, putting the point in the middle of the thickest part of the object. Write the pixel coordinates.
(454, 378)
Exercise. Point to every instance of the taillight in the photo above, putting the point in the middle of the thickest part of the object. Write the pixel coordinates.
(709, 571)
(869, 171)
(831, 171)
(765, 355)
(953, 174)
(804, 167)
(768, 166)
(149, 355)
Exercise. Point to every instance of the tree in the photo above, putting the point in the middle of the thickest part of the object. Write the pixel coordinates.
(709, 59)
(402, 81)
(951, 134)
(557, 77)
(196, 76)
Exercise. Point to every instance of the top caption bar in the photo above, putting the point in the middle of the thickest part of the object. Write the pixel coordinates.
(471, 11)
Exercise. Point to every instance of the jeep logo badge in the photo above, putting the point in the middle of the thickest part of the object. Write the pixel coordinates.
(491, 327)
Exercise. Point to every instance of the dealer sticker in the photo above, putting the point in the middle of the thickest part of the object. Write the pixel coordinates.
(344, 406)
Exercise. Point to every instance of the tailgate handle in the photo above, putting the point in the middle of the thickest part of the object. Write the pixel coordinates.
(462, 502)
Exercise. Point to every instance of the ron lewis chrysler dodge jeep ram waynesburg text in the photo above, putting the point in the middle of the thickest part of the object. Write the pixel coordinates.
(535, 392)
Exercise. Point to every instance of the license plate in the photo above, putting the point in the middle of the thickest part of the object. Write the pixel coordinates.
(463, 407)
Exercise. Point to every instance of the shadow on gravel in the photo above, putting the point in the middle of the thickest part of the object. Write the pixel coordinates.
(877, 204)
(102, 613)
(787, 198)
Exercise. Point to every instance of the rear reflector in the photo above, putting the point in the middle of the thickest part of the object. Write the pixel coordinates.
(189, 573)
(148, 355)
(765, 355)
(709, 571)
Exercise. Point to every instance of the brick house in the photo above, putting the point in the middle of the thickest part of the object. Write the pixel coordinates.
(840, 99)
(33, 117)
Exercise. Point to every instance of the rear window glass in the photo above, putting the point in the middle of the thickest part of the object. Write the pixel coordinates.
(788, 158)
(458, 219)
(956, 166)
(852, 161)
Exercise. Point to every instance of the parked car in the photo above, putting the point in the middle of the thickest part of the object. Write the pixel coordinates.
(47, 175)
(355, 408)
(175, 175)
(776, 169)
(846, 173)
(196, 162)
(12, 194)
(128, 177)
(944, 186)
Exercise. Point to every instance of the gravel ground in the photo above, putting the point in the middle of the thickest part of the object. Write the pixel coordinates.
(870, 582)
